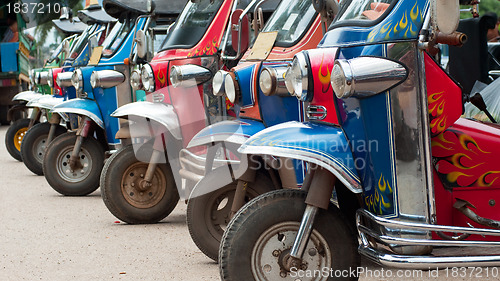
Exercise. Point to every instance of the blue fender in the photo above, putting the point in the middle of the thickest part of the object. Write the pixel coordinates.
(26, 96)
(46, 101)
(323, 145)
(83, 107)
(234, 131)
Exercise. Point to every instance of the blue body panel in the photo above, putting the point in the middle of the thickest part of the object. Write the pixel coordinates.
(245, 80)
(8, 57)
(244, 128)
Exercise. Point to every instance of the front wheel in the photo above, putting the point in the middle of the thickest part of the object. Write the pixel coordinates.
(126, 194)
(34, 145)
(14, 137)
(258, 240)
(209, 214)
(61, 177)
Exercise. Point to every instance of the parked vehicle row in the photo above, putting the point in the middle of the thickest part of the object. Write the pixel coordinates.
(301, 134)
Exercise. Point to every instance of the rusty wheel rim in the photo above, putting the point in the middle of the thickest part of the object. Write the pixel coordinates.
(18, 138)
(134, 190)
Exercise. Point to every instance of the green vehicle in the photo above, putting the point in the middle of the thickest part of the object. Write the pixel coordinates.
(38, 84)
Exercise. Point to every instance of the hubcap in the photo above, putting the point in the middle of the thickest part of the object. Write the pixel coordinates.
(271, 253)
(63, 167)
(18, 138)
(40, 146)
(137, 191)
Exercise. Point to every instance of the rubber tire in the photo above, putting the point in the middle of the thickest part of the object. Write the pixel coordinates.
(38, 132)
(276, 207)
(10, 134)
(81, 188)
(198, 208)
(114, 200)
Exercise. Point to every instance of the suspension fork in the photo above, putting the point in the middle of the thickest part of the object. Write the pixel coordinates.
(241, 188)
(82, 133)
(320, 184)
(35, 115)
(54, 121)
(158, 146)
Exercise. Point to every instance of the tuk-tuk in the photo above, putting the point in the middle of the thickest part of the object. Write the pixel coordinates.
(73, 161)
(406, 169)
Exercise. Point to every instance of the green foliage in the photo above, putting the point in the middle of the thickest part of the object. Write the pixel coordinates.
(484, 7)
(43, 29)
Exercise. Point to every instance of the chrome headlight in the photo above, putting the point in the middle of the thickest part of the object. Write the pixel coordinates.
(42, 77)
(148, 78)
(218, 86)
(135, 80)
(180, 75)
(106, 79)
(50, 79)
(64, 79)
(296, 78)
(365, 76)
(77, 79)
(272, 81)
(230, 87)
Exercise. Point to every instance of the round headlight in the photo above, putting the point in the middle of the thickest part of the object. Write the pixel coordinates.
(218, 82)
(135, 80)
(32, 77)
(77, 79)
(296, 78)
(175, 74)
(42, 77)
(50, 79)
(266, 82)
(148, 78)
(341, 81)
(230, 88)
(93, 79)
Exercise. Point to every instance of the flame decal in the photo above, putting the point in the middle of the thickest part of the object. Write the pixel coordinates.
(324, 78)
(436, 108)
(162, 78)
(402, 28)
(210, 49)
(381, 201)
(460, 161)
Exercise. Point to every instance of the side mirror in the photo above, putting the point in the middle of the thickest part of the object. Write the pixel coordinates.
(258, 21)
(447, 15)
(240, 33)
(142, 43)
(328, 9)
(150, 6)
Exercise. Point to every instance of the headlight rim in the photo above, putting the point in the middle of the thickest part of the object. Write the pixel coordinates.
(150, 84)
(79, 74)
(302, 62)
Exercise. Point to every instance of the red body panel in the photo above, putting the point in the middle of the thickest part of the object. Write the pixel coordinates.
(56, 89)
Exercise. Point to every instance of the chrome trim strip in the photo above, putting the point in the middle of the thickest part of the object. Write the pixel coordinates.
(316, 112)
(427, 262)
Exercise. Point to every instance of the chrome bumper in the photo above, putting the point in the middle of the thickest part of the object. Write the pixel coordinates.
(376, 235)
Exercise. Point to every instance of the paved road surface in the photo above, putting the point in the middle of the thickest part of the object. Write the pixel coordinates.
(45, 236)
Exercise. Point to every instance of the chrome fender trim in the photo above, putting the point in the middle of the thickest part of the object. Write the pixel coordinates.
(45, 102)
(26, 96)
(160, 112)
(322, 145)
(234, 131)
(81, 107)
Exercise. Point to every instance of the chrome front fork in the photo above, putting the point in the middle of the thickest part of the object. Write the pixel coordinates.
(82, 133)
(54, 122)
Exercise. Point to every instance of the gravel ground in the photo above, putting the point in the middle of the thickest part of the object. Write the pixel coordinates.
(45, 236)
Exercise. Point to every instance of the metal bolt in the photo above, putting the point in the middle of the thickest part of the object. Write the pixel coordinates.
(283, 274)
(276, 253)
(492, 202)
(312, 252)
(304, 266)
(142, 175)
(132, 184)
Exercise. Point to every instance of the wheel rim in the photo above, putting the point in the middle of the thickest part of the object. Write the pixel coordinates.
(218, 213)
(272, 249)
(136, 192)
(40, 145)
(18, 137)
(63, 168)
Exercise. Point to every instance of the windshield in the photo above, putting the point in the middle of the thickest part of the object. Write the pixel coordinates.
(368, 10)
(192, 24)
(117, 35)
(81, 42)
(292, 20)
(57, 51)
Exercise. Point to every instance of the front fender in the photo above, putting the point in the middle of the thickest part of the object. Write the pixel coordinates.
(26, 96)
(83, 107)
(46, 101)
(234, 131)
(323, 145)
(160, 112)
